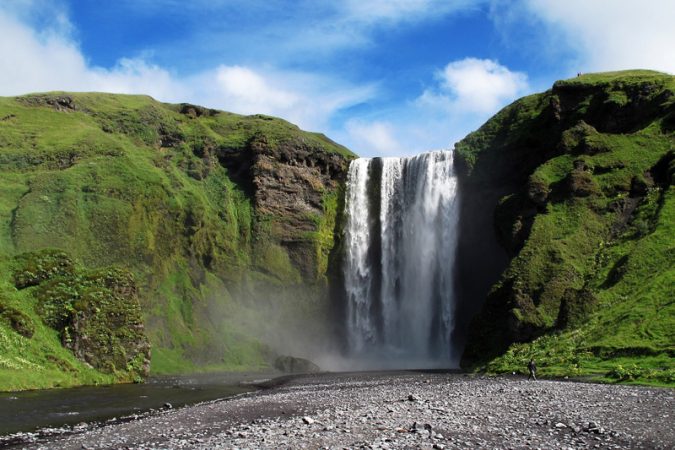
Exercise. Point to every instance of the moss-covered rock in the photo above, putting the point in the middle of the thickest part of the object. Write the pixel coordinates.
(16, 320)
(580, 183)
(106, 328)
(32, 268)
(292, 364)
(96, 312)
(586, 213)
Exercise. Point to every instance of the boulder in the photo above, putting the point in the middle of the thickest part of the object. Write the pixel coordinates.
(292, 364)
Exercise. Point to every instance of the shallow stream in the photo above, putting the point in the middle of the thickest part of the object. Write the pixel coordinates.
(31, 410)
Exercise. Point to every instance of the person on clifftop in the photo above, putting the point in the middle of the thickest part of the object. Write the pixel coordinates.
(532, 368)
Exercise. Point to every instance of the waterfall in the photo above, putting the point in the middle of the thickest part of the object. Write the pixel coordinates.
(398, 267)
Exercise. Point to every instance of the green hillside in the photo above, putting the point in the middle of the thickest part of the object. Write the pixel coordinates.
(179, 204)
(587, 214)
(139, 237)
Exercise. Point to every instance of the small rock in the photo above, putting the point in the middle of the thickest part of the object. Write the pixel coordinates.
(560, 425)
(412, 398)
(308, 420)
(168, 405)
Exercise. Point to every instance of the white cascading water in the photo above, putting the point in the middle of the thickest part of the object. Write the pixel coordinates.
(398, 269)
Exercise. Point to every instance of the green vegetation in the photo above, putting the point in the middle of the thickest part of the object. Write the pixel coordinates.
(590, 288)
(32, 354)
(95, 312)
(165, 193)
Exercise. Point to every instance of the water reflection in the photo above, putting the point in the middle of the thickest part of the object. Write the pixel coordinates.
(27, 411)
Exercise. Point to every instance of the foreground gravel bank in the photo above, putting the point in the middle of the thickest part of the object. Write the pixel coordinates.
(405, 410)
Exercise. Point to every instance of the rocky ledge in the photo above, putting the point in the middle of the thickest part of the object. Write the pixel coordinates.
(406, 410)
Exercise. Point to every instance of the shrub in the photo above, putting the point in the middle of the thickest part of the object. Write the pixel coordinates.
(35, 267)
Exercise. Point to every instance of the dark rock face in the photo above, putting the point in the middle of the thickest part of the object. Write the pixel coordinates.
(537, 192)
(61, 103)
(292, 364)
(289, 183)
(196, 111)
(586, 148)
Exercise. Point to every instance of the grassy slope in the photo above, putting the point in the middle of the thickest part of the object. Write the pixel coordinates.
(125, 180)
(591, 286)
(40, 361)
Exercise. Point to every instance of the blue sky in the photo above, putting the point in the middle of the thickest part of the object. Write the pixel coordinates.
(384, 77)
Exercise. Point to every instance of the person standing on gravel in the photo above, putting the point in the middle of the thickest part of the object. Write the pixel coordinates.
(532, 368)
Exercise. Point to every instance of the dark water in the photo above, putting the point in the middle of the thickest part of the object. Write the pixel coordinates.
(30, 410)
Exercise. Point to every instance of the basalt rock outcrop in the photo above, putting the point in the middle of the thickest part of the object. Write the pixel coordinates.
(291, 184)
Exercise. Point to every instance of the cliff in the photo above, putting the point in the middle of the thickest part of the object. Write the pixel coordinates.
(577, 190)
(220, 226)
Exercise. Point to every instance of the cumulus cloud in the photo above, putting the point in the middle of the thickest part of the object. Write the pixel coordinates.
(248, 92)
(48, 60)
(474, 86)
(306, 99)
(603, 34)
(465, 94)
(410, 131)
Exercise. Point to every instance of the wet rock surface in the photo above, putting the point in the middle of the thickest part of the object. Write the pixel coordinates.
(405, 410)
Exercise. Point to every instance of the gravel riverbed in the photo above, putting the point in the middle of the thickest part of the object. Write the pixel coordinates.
(401, 410)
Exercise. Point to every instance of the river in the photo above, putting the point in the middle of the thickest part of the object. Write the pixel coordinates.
(31, 410)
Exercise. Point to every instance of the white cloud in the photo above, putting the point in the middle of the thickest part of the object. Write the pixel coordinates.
(305, 99)
(610, 34)
(408, 131)
(373, 137)
(46, 61)
(248, 92)
(466, 93)
(474, 86)
(50, 60)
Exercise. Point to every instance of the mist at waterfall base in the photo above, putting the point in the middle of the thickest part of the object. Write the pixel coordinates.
(398, 267)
